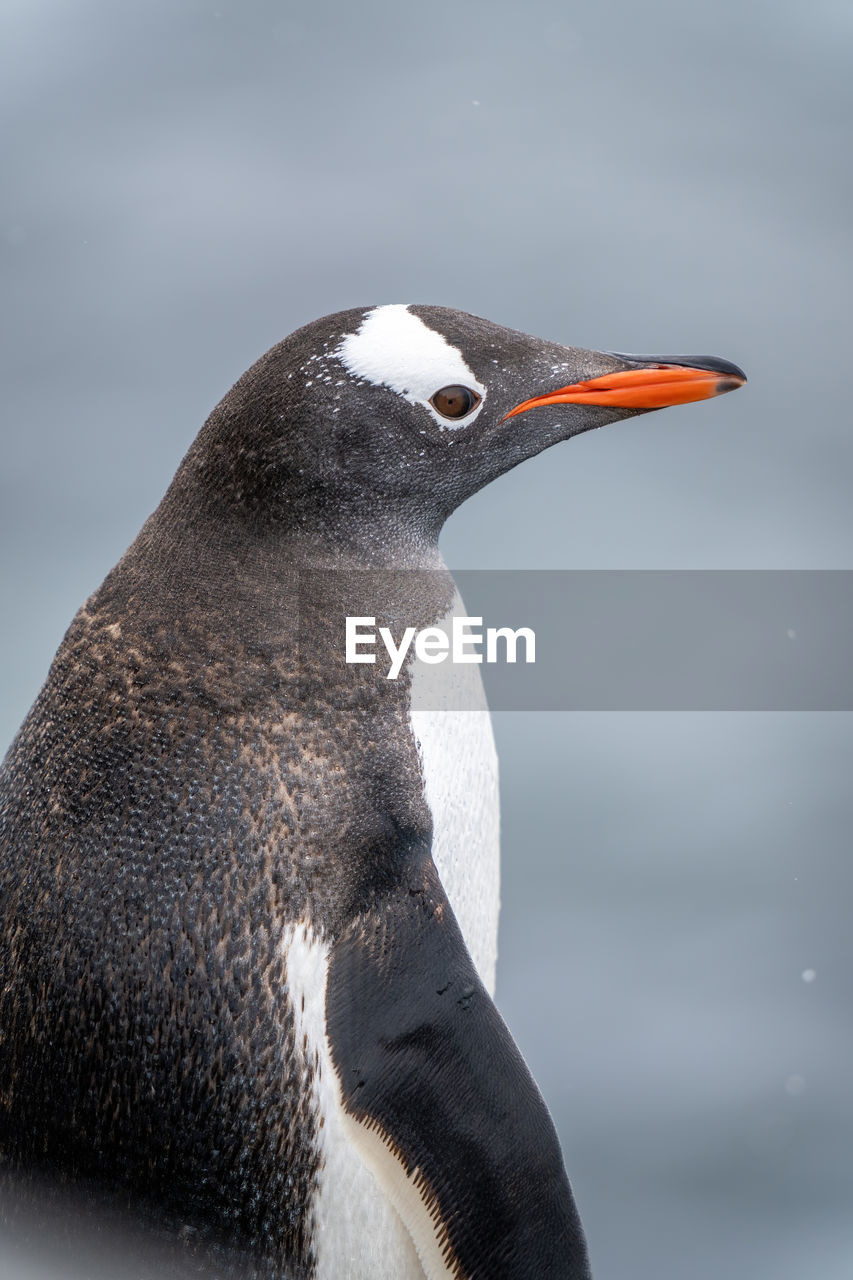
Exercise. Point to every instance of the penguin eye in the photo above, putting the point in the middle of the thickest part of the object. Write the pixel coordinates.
(455, 402)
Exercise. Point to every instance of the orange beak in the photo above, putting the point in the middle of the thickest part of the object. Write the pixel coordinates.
(656, 386)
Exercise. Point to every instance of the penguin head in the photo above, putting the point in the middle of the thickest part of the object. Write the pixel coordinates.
(408, 410)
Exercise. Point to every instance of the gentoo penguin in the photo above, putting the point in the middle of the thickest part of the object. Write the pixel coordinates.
(248, 890)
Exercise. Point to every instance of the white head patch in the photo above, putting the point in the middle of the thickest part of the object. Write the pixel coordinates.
(395, 349)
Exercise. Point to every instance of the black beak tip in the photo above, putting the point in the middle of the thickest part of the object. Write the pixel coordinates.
(714, 364)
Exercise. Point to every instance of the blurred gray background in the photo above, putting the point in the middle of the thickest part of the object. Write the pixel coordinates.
(186, 182)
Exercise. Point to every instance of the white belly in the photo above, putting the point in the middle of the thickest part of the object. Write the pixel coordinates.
(460, 770)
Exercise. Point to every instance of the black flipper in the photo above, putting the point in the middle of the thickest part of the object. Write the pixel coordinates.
(427, 1065)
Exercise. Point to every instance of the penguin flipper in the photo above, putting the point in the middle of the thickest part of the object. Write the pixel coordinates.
(439, 1100)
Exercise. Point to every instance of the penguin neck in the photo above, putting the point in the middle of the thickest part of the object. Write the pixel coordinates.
(185, 560)
(384, 540)
(300, 529)
(381, 543)
(219, 597)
